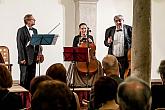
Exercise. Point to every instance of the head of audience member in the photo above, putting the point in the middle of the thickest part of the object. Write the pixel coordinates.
(57, 71)
(134, 94)
(51, 95)
(36, 81)
(5, 78)
(105, 89)
(110, 65)
(119, 20)
(161, 70)
(83, 29)
(29, 20)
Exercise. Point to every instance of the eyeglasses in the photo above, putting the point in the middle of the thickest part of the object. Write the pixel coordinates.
(32, 19)
(118, 20)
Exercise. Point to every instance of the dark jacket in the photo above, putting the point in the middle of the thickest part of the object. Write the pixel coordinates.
(25, 51)
(10, 101)
(77, 38)
(158, 96)
(127, 38)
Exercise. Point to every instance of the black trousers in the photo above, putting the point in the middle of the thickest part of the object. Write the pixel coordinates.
(27, 73)
(123, 65)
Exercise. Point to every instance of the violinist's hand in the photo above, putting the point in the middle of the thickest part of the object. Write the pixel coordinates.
(110, 40)
(23, 62)
(40, 58)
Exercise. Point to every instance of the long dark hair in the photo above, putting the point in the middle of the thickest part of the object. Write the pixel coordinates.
(81, 25)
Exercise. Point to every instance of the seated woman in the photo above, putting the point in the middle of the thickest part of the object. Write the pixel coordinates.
(57, 71)
(52, 95)
(105, 91)
(158, 91)
(84, 74)
(36, 81)
(8, 100)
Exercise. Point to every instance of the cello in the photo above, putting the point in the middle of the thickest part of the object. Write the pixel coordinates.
(91, 66)
(128, 70)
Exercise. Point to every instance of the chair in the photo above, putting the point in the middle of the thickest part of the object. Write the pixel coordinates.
(6, 57)
(158, 97)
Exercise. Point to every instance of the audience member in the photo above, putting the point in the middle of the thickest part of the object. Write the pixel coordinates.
(36, 81)
(158, 91)
(57, 71)
(134, 94)
(105, 90)
(52, 95)
(162, 71)
(8, 100)
(111, 67)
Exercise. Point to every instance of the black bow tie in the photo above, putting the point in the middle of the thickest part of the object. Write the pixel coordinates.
(30, 28)
(119, 30)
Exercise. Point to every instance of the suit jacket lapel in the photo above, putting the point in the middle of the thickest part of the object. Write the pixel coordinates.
(113, 32)
(125, 32)
(27, 33)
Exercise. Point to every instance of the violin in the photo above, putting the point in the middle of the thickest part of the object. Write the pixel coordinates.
(40, 58)
(128, 70)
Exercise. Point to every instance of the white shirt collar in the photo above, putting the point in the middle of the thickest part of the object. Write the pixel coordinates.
(27, 27)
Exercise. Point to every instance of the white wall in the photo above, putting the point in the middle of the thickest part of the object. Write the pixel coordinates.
(158, 35)
(106, 11)
(47, 15)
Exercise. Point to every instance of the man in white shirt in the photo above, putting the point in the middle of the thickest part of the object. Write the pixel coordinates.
(118, 38)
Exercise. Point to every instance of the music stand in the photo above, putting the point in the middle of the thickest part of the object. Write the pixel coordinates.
(75, 54)
(43, 39)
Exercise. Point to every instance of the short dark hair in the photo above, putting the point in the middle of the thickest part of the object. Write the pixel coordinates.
(134, 94)
(118, 16)
(36, 81)
(161, 69)
(105, 89)
(26, 18)
(52, 95)
(5, 77)
(57, 71)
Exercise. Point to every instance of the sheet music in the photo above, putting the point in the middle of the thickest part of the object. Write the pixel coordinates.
(55, 39)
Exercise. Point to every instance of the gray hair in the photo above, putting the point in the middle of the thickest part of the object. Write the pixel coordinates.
(118, 16)
(110, 64)
(134, 94)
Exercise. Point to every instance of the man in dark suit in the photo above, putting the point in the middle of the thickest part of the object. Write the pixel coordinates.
(118, 38)
(27, 53)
